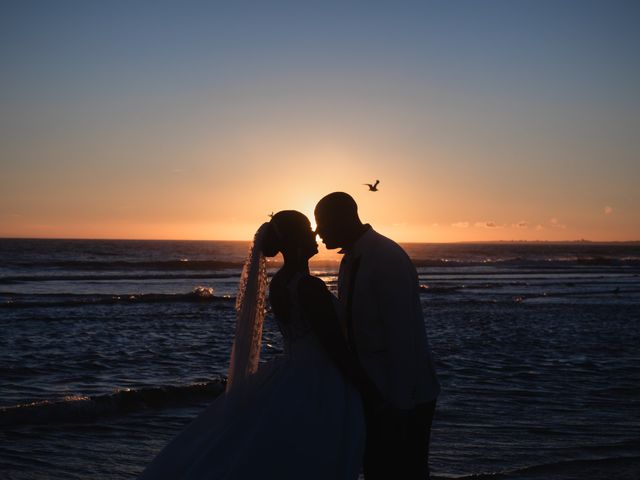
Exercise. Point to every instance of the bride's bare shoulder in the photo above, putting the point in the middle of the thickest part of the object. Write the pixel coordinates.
(278, 281)
(311, 289)
(279, 295)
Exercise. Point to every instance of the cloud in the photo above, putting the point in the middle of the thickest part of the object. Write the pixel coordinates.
(489, 224)
(539, 227)
(460, 224)
(520, 224)
(608, 210)
(556, 224)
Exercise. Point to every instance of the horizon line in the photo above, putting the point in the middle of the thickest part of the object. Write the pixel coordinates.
(581, 240)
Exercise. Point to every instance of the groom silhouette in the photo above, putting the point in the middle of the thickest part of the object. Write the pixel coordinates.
(384, 325)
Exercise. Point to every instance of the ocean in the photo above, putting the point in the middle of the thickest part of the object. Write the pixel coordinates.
(108, 348)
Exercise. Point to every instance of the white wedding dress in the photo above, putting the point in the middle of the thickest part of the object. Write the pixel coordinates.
(294, 418)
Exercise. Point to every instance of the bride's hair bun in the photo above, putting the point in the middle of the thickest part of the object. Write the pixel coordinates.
(287, 229)
(271, 244)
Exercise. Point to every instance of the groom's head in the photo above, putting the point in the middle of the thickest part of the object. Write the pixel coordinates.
(337, 220)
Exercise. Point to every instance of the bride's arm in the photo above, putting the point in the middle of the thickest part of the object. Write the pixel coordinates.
(317, 303)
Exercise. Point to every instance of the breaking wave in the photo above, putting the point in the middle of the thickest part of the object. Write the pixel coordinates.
(532, 263)
(626, 466)
(180, 264)
(83, 408)
(198, 294)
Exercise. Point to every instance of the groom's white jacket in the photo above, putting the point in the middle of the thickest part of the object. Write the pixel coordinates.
(382, 305)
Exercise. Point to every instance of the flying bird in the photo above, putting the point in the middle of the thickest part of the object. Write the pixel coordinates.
(374, 187)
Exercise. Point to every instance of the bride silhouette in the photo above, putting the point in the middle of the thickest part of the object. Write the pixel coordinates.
(298, 416)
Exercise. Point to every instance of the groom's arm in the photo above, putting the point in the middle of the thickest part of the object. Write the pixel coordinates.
(395, 290)
(317, 304)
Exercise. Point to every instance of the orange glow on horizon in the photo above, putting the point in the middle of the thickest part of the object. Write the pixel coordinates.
(178, 136)
(401, 232)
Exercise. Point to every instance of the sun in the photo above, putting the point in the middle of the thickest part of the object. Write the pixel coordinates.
(306, 206)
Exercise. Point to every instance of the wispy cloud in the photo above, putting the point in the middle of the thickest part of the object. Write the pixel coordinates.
(556, 224)
(520, 224)
(460, 225)
(608, 210)
(489, 224)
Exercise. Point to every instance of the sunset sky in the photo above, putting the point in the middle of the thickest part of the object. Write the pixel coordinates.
(484, 120)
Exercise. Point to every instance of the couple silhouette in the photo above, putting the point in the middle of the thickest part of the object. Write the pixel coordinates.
(355, 388)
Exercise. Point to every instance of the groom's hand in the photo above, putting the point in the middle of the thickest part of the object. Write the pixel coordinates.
(374, 402)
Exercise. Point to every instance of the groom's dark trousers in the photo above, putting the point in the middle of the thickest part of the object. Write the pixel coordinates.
(397, 445)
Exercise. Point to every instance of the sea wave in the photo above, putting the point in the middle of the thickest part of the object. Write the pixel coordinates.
(184, 264)
(528, 262)
(619, 467)
(179, 264)
(198, 294)
(13, 279)
(612, 288)
(83, 408)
